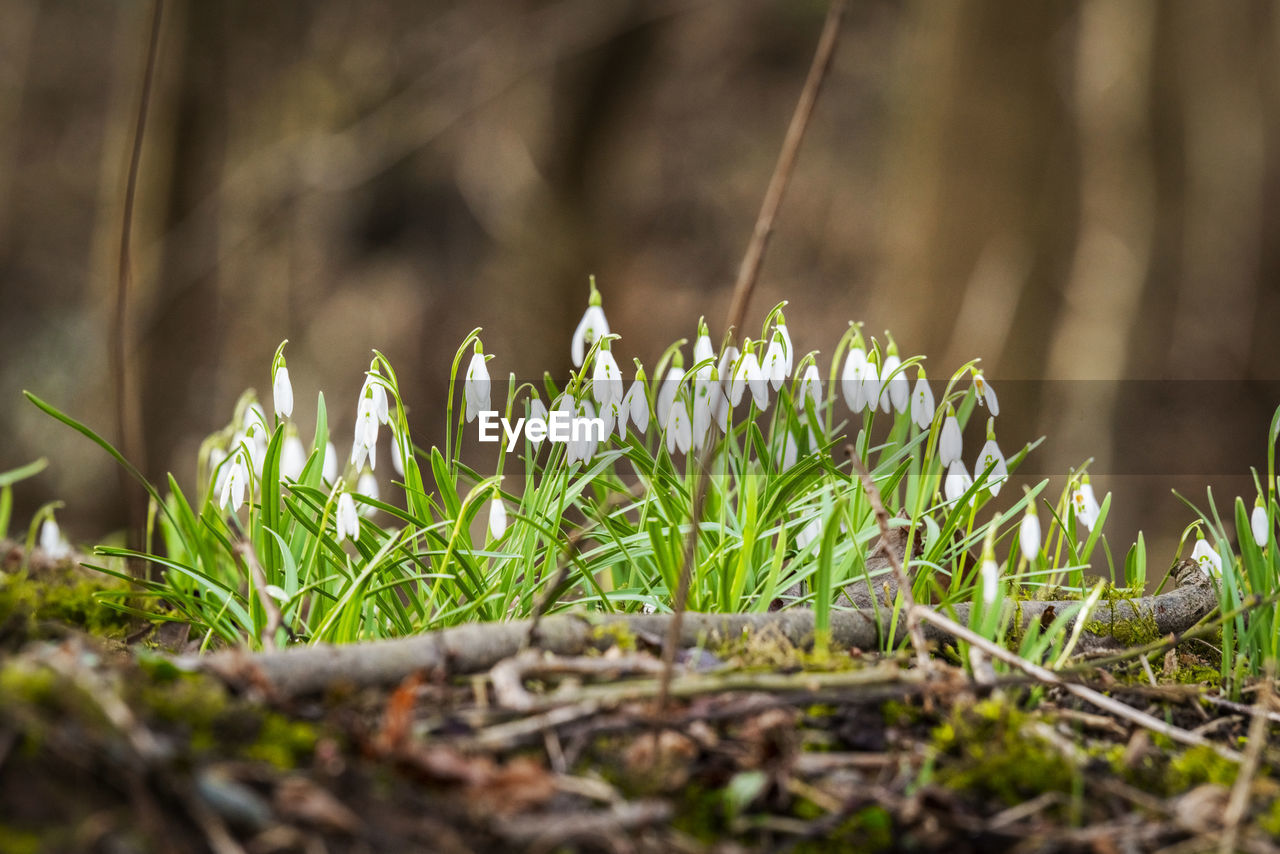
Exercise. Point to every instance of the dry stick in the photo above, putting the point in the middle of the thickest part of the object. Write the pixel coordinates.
(1048, 677)
(1239, 802)
(129, 429)
(747, 275)
(899, 573)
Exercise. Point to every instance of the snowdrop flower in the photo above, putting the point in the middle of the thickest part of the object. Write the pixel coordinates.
(703, 406)
(1207, 557)
(788, 351)
(497, 517)
(282, 391)
(476, 387)
(606, 379)
(592, 326)
(330, 472)
(788, 453)
(254, 419)
(951, 443)
(922, 405)
(537, 410)
(855, 366)
(233, 488)
(871, 377)
(293, 457)
(634, 407)
(895, 394)
(52, 542)
(986, 394)
(957, 481)
(811, 385)
(584, 447)
(216, 470)
(1085, 505)
(989, 457)
(749, 375)
(397, 461)
(990, 580)
(670, 387)
(367, 486)
(377, 392)
(809, 533)
(702, 348)
(1029, 535)
(346, 519)
(365, 443)
(679, 430)
(1260, 523)
(774, 366)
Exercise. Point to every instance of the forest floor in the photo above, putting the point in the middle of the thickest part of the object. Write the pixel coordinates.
(108, 743)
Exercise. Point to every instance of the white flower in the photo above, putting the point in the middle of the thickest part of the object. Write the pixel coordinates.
(787, 350)
(52, 542)
(1208, 558)
(703, 409)
(282, 392)
(293, 458)
(497, 517)
(702, 348)
(1261, 525)
(957, 481)
(986, 394)
(367, 486)
(809, 533)
(377, 392)
(922, 405)
(811, 385)
(851, 379)
(346, 519)
(233, 488)
(679, 430)
(871, 382)
(775, 362)
(667, 394)
(365, 443)
(635, 406)
(1029, 535)
(476, 387)
(749, 375)
(216, 470)
(537, 410)
(1085, 505)
(896, 392)
(951, 444)
(990, 581)
(606, 379)
(990, 457)
(584, 446)
(397, 461)
(330, 471)
(788, 453)
(254, 419)
(592, 326)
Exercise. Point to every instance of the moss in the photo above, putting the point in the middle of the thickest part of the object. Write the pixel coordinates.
(988, 750)
(16, 841)
(1270, 819)
(1199, 765)
(66, 596)
(869, 829)
(614, 635)
(1129, 632)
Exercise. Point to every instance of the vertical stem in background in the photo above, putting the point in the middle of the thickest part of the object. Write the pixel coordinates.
(128, 424)
(748, 273)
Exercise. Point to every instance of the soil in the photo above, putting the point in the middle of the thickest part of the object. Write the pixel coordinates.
(108, 744)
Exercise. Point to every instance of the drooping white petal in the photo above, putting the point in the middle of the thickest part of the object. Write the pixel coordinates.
(293, 457)
(346, 519)
(476, 387)
(397, 462)
(636, 406)
(851, 379)
(896, 391)
(871, 384)
(282, 392)
(809, 533)
(1085, 505)
(787, 350)
(330, 472)
(52, 542)
(985, 393)
(774, 367)
(667, 394)
(991, 457)
(1207, 557)
(811, 386)
(537, 411)
(788, 453)
(606, 379)
(702, 349)
(951, 443)
(497, 517)
(756, 380)
(1260, 525)
(957, 481)
(990, 581)
(592, 326)
(679, 430)
(922, 406)
(367, 486)
(1029, 536)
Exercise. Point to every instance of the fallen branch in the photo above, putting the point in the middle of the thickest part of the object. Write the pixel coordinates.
(477, 647)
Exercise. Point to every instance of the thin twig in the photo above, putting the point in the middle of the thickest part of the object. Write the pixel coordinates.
(129, 428)
(748, 273)
(1238, 805)
(1048, 677)
(274, 618)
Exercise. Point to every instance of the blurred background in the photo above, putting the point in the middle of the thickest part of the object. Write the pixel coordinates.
(1084, 194)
